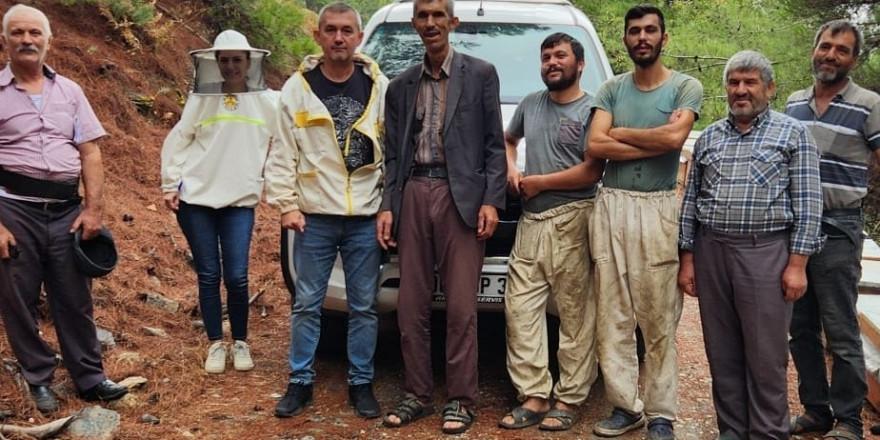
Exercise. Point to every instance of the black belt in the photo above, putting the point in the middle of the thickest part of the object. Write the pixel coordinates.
(433, 172)
(22, 185)
(841, 212)
(828, 218)
(51, 206)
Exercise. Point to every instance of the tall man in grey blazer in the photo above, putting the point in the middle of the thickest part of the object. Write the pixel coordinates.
(446, 176)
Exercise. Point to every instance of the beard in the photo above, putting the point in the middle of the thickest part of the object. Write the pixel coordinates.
(758, 105)
(826, 77)
(645, 61)
(565, 81)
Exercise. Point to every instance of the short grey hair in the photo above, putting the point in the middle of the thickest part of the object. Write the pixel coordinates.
(749, 60)
(838, 26)
(450, 6)
(340, 8)
(7, 17)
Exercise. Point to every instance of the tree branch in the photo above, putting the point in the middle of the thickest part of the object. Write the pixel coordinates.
(41, 432)
(695, 57)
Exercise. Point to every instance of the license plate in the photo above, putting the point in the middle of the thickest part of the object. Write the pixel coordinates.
(491, 289)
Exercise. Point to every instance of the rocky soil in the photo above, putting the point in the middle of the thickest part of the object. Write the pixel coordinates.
(166, 345)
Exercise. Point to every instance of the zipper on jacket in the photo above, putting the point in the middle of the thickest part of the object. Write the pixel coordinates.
(348, 197)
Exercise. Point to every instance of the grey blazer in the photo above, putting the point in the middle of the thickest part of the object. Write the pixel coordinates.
(473, 137)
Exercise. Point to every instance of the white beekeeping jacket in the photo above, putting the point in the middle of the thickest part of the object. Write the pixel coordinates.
(215, 155)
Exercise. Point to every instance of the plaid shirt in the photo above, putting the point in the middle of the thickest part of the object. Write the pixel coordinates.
(765, 179)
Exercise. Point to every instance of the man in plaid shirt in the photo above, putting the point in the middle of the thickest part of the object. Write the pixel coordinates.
(750, 219)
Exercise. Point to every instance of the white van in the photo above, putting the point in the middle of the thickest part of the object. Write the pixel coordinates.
(507, 33)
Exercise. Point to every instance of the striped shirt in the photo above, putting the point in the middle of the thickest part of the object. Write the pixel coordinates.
(765, 179)
(847, 133)
(42, 142)
(430, 113)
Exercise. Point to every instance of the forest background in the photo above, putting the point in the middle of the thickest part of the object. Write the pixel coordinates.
(703, 34)
(130, 57)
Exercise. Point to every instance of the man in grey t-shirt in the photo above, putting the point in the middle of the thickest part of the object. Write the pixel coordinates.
(550, 259)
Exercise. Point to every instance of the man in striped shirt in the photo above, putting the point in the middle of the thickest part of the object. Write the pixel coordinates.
(749, 220)
(845, 120)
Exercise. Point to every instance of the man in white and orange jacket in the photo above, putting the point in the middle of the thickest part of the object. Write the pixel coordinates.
(325, 175)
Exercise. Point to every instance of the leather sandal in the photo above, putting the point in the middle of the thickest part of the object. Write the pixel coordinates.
(522, 418)
(454, 411)
(564, 416)
(408, 411)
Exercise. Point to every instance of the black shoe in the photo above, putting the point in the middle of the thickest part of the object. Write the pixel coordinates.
(44, 397)
(104, 391)
(295, 400)
(364, 402)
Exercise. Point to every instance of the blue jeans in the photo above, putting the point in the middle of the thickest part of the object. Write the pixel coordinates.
(830, 305)
(220, 240)
(314, 252)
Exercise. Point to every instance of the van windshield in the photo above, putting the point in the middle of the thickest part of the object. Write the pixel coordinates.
(514, 49)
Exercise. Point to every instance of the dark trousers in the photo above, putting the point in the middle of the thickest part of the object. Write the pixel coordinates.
(830, 306)
(46, 259)
(745, 321)
(432, 232)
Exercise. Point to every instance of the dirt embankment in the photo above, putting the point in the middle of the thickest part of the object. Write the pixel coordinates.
(94, 52)
(153, 258)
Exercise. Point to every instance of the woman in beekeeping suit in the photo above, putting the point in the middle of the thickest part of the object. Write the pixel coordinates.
(212, 178)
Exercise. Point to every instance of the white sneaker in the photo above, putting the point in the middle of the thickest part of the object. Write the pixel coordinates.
(241, 356)
(216, 361)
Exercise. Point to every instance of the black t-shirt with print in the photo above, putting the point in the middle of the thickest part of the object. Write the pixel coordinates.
(346, 102)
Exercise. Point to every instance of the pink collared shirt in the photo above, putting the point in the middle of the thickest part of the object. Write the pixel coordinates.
(43, 142)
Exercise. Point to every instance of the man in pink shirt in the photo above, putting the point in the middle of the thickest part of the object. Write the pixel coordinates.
(47, 143)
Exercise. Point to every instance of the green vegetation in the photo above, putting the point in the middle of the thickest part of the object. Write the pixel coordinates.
(703, 34)
(364, 7)
(281, 26)
(128, 17)
(136, 12)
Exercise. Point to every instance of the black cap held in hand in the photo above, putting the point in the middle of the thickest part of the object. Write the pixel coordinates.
(96, 257)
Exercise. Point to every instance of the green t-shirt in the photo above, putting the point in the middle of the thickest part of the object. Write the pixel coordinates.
(554, 136)
(634, 108)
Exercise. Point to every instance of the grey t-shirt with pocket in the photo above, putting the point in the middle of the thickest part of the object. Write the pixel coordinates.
(554, 135)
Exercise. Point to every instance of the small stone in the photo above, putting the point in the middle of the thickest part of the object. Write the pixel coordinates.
(149, 419)
(129, 357)
(133, 382)
(106, 338)
(156, 300)
(127, 401)
(94, 423)
(153, 331)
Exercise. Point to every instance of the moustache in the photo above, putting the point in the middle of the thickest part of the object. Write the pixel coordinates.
(28, 48)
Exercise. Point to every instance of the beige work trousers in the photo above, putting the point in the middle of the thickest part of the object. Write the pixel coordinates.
(550, 260)
(634, 243)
